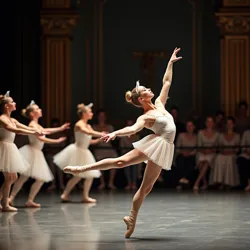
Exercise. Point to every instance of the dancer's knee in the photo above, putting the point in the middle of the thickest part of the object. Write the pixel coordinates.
(10, 177)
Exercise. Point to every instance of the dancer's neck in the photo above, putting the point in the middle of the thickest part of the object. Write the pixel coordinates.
(148, 106)
(34, 119)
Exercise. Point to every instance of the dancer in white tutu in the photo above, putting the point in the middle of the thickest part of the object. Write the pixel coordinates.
(11, 161)
(38, 168)
(79, 154)
(157, 149)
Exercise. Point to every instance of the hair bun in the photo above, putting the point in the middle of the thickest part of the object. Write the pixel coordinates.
(23, 112)
(80, 106)
(128, 96)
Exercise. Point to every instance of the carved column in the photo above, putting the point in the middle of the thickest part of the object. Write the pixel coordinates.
(234, 22)
(57, 21)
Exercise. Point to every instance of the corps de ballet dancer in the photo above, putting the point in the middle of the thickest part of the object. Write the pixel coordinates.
(79, 154)
(38, 168)
(11, 161)
(156, 149)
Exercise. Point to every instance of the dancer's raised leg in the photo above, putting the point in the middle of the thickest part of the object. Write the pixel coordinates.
(131, 158)
(150, 176)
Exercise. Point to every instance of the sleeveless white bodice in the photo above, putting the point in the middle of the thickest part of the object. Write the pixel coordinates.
(35, 142)
(164, 126)
(6, 135)
(82, 140)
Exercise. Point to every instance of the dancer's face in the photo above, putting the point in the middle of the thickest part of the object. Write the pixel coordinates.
(88, 114)
(36, 112)
(209, 123)
(145, 94)
(11, 105)
(190, 127)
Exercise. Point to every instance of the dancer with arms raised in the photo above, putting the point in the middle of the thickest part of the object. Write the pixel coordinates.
(157, 149)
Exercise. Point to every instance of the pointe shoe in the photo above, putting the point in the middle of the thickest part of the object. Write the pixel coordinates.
(1, 207)
(247, 189)
(32, 204)
(88, 200)
(9, 209)
(195, 188)
(73, 170)
(130, 226)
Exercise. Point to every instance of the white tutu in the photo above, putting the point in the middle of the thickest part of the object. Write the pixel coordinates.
(11, 160)
(76, 156)
(39, 168)
(157, 149)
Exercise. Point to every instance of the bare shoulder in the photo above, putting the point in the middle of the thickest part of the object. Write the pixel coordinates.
(2, 119)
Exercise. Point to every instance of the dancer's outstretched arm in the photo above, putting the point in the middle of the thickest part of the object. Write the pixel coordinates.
(58, 129)
(141, 122)
(20, 130)
(22, 126)
(51, 141)
(89, 130)
(167, 78)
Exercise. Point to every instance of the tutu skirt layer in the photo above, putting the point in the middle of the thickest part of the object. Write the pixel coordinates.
(11, 160)
(76, 156)
(157, 149)
(39, 168)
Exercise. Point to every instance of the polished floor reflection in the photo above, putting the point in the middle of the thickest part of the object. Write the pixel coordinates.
(168, 220)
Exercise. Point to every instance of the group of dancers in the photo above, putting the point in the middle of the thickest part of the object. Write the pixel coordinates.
(155, 149)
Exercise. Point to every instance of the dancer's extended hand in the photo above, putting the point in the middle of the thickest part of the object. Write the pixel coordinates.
(39, 132)
(65, 126)
(109, 137)
(174, 57)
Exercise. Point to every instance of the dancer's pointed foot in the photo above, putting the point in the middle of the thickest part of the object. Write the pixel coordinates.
(32, 204)
(1, 207)
(65, 198)
(73, 170)
(9, 209)
(130, 226)
(88, 200)
(247, 189)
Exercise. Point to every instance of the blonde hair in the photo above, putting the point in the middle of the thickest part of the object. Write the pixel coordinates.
(81, 108)
(132, 97)
(3, 100)
(26, 112)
